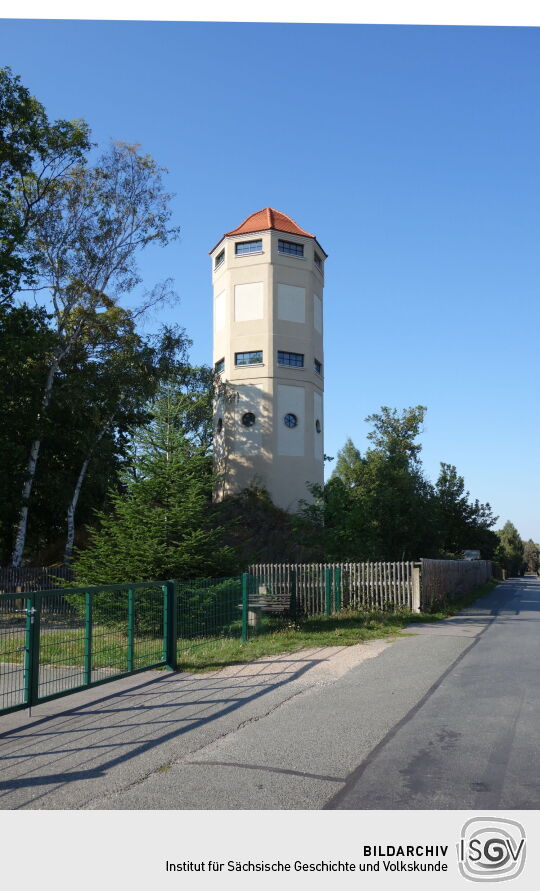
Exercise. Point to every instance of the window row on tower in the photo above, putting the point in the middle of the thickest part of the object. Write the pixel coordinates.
(255, 357)
(249, 418)
(254, 246)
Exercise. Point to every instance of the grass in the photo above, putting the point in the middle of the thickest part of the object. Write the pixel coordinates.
(343, 630)
(451, 609)
(66, 647)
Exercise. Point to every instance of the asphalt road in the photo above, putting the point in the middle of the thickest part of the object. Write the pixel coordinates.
(474, 741)
(444, 718)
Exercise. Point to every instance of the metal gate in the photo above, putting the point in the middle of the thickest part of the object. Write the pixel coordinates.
(56, 642)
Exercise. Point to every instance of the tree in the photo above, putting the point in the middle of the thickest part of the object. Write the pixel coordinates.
(342, 524)
(101, 393)
(160, 525)
(88, 237)
(193, 403)
(531, 555)
(461, 524)
(35, 157)
(348, 465)
(121, 371)
(25, 343)
(394, 435)
(377, 506)
(380, 506)
(509, 552)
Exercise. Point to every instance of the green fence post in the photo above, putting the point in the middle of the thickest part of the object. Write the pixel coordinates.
(170, 630)
(131, 629)
(166, 622)
(292, 591)
(35, 622)
(328, 591)
(28, 649)
(337, 589)
(245, 589)
(88, 638)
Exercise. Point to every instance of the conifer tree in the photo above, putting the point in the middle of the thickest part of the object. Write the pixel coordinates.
(159, 525)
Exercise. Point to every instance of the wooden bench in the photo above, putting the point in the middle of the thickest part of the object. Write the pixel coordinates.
(268, 603)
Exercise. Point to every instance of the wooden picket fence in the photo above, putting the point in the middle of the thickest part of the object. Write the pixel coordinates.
(444, 580)
(368, 585)
(417, 586)
(377, 585)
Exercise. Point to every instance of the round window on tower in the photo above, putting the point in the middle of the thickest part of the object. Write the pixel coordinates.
(290, 420)
(219, 425)
(318, 426)
(248, 419)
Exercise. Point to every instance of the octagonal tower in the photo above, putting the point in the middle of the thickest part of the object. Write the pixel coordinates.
(268, 277)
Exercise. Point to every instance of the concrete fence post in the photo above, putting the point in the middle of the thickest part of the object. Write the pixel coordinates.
(416, 590)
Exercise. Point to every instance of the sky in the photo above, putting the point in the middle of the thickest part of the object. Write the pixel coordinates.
(412, 154)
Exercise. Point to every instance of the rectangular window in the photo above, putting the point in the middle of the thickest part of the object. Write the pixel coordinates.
(255, 357)
(294, 359)
(317, 366)
(318, 261)
(219, 259)
(219, 366)
(290, 247)
(248, 247)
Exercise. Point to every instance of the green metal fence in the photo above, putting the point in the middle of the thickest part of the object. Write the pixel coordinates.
(59, 641)
(208, 611)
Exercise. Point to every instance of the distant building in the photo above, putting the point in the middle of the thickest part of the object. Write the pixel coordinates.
(268, 277)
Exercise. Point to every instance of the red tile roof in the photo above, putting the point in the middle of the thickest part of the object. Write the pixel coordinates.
(268, 218)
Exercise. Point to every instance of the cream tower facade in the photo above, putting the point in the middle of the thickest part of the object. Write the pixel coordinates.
(268, 277)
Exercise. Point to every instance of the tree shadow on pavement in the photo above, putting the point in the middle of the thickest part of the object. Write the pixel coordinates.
(85, 743)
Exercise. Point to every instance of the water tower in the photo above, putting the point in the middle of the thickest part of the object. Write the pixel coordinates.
(268, 277)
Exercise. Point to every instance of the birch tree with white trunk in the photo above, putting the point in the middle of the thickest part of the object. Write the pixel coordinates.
(36, 155)
(96, 222)
(124, 371)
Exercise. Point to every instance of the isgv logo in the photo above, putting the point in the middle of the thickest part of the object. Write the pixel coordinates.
(491, 849)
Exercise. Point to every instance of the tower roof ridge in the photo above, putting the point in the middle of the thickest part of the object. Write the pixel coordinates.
(267, 218)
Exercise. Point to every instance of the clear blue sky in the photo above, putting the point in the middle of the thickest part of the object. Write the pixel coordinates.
(411, 152)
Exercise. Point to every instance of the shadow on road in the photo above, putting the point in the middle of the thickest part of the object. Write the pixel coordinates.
(86, 742)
